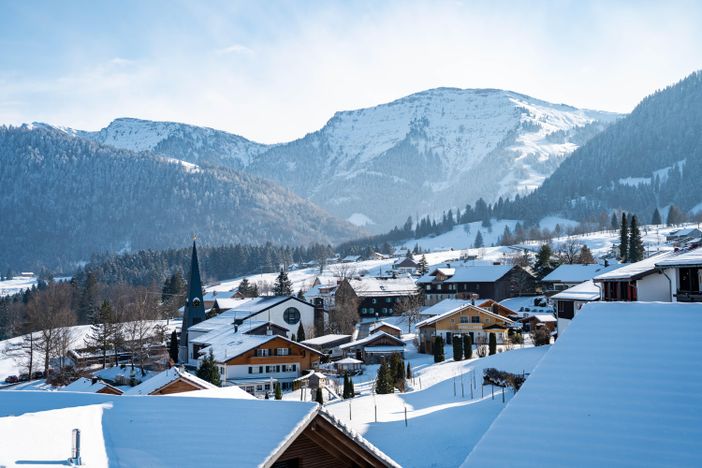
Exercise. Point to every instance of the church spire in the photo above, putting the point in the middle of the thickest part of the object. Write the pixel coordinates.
(194, 308)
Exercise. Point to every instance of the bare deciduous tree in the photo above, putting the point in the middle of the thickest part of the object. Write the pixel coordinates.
(410, 308)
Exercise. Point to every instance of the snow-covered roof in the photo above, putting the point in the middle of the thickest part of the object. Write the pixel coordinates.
(254, 305)
(634, 270)
(84, 384)
(164, 378)
(684, 232)
(447, 305)
(577, 273)
(351, 258)
(585, 291)
(544, 318)
(219, 295)
(479, 274)
(370, 339)
(406, 262)
(226, 332)
(325, 339)
(690, 258)
(231, 391)
(348, 360)
(371, 286)
(374, 326)
(436, 318)
(599, 398)
(233, 345)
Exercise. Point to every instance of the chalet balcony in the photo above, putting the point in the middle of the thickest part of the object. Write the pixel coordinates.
(689, 296)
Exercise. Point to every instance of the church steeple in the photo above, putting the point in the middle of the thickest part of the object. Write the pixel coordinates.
(194, 308)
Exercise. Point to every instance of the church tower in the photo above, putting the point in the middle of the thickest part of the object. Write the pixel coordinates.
(194, 308)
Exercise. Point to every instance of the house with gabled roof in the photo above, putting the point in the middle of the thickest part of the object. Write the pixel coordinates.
(569, 302)
(639, 281)
(91, 385)
(470, 319)
(173, 380)
(568, 275)
(375, 297)
(374, 348)
(256, 362)
(388, 328)
(684, 272)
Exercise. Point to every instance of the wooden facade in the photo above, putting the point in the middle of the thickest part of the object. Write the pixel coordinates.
(323, 443)
(307, 357)
(180, 385)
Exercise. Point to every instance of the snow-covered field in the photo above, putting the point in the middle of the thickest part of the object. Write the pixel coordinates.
(16, 285)
(445, 416)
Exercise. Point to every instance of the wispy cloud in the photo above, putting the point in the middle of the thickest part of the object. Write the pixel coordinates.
(238, 49)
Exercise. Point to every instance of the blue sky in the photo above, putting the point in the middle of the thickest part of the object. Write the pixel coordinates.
(273, 71)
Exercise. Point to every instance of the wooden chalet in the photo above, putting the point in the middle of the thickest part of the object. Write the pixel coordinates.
(375, 297)
(470, 319)
(499, 309)
(170, 381)
(385, 327)
(374, 348)
(91, 385)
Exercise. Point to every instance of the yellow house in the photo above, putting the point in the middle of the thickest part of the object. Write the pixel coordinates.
(470, 320)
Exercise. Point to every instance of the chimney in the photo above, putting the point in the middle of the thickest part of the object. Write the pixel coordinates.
(75, 459)
(93, 380)
(473, 297)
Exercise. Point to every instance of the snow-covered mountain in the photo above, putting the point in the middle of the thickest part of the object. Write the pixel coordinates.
(430, 151)
(197, 145)
(421, 154)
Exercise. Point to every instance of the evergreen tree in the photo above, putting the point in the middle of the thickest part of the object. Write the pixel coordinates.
(352, 391)
(278, 391)
(409, 371)
(492, 344)
(675, 216)
(585, 255)
(301, 294)
(397, 370)
(457, 348)
(282, 285)
(208, 370)
(636, 247)
(103, 331)
(383, 381)
(478, 243)
(467, 346)
(345, 392)
(624, 239)
(614, 222)
(543, 265)
(301, 332)
(423, 266)
(319, 397)
(656, 218)
(438, 349)
(173, 347)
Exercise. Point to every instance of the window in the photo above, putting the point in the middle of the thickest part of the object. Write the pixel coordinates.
(263, 352)
(388, 299)
(255, 369)
(428, 287)
(374, 301)
(475, 319)
(291, 315)
(259, 388)
(464, 319)
(282, 351)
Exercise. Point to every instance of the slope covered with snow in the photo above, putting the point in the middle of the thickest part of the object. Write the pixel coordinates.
(431, 150)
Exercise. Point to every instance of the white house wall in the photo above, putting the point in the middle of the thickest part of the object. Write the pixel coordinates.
(654, 287)
(276, 316)
(241, 372)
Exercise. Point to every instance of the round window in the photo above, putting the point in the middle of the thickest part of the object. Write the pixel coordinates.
(196, 302)
(291, 315)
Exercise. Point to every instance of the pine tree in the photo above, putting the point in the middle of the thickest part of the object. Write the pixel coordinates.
(103, 331)
(282, 285)
(614, 222)
(656, 218)
(585, 255)
(397, 371)
(278, 391)
(492, 344)
(345, 392)
(300, 332)
(623, 239)
(173, 347)
(352, 391)
(409, 371)
(438, 349)
(457, 348)
(636, 247)
(301, 294)
(209, 371)
(423, 265)
(319, 397)
(478, 243)
(383, 381)
(467, 346)
(543, 265)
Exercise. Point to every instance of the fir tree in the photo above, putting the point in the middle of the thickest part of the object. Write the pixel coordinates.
(656, 218)
(492, 344)
(383, 381)
(103, 331)
(423, 266)
(352, 391)
(173, 347)
(278, 391)
(438, 349)
(614, 222)
(467, 346)
(457, 348)
(397, 371)
(636, 247)
(301, 332)
(585, 255)
(478, 243)
(301, 294)
(282, 285)
(345, 392)
(675, 216)
(319, 397)
(543, 265)
(209, 371)
(623, 239)
(408, 373)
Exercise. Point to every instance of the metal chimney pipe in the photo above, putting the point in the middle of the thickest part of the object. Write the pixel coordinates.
(75, 459)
